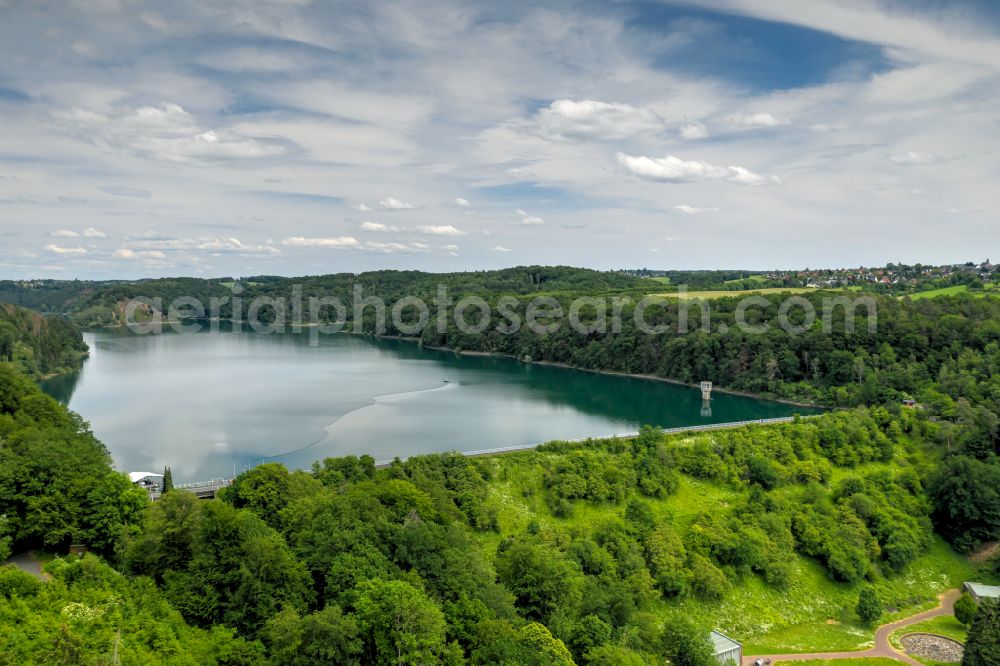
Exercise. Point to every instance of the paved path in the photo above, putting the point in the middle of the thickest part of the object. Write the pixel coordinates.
(883, 648)
(28, 561)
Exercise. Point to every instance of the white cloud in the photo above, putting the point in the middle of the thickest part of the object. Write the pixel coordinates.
(500, 248)
(85, 48)
(440, 230)
(469, 122)
(911, 158)
(160, 24)
(747, 177)
(459, 201)
(125, 253)
(377, 226)
(391, 203)
(392, 248)
(66, 251)
(566, 118)
(215, 246)
(670, 168)
(527, 220)
(759, 120)
(250, 59)
(89, 232)
(693, 210)
(350, 243)
(166, 133)
(694, 131)
(338, 242)
(675, 170)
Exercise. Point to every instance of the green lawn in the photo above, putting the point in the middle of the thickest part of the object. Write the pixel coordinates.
(943, 626)
(833, 625)
(722, 293)
(952, 291)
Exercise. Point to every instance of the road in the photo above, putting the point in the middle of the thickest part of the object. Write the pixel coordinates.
(28, 561)
(883, 648)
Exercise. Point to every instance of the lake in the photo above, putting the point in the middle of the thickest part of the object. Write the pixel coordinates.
(211, 403)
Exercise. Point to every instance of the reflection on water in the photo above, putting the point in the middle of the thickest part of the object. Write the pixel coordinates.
(207, 404)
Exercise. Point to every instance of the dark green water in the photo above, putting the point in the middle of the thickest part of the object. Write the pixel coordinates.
(208, 403)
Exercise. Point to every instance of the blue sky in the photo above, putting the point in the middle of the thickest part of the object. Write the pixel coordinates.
(237, 138)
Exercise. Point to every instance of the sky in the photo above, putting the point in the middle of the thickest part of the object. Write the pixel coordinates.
(210, 138)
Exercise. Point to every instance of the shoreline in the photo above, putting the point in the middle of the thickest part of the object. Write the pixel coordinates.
(612, 373)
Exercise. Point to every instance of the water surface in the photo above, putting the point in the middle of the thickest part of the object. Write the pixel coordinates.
(212, 403)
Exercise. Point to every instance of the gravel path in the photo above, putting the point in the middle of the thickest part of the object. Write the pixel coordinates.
(883, 648)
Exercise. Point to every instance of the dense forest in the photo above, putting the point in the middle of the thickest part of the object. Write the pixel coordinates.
(39, 345)
(603, 552)
(591, 553)
(95, 303)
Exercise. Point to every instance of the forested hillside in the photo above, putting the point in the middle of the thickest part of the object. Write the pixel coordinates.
(57, 484)
(920, 349)
(605, 552)
(97, 303)
(39, 345)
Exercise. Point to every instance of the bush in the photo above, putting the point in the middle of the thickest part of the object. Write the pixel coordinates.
(14, 582)
(965, 609)
(869, 607)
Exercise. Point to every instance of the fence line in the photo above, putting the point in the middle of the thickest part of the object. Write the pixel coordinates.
(625, 435)
(217, 481)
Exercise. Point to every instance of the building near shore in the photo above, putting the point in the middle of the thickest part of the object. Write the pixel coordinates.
(978, 591)
(727, 651)
(147, 480)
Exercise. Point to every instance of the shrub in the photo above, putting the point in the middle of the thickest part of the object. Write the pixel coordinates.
(869, 607)
(965, 609)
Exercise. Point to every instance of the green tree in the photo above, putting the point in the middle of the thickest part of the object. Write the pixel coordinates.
(263, 489)
(89, 609)
(869, 607)
(324, 637)
(218, 564)
(982, 647)
(8, 337)
(168, 480)
(666, 557)
(966, 496)
(613, 655)
(686, 644)
(540, 641)
(398, 623)
(965, 609)
(542, 580)
(590, 632)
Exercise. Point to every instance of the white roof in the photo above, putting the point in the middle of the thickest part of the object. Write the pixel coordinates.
(980, 590)
(723, 643)
(139, 476)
